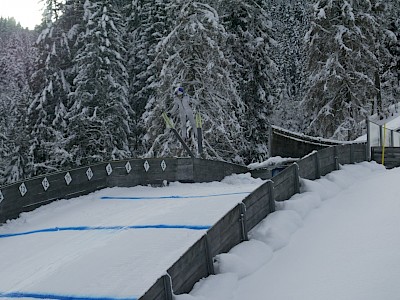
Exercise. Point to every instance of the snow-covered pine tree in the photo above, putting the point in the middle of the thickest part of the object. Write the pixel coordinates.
(290, 20)
(250, 45)
(390, 60)
(147, 25)
(192, 56)
(52, 84)
(341, 68)
(100, 113)
(16, 65)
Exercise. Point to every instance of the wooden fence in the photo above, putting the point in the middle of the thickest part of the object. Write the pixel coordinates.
(30, 194)
(196, 262)
(232, 229)
(391, 156)
(289, 144)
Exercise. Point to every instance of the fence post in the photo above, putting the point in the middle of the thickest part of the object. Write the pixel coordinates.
(317, 166)
(199, 125)
(168, 287)
(210, 264)
(336, 157)
(271, 195)
(296, 178)
(242, 221)
(351, 154)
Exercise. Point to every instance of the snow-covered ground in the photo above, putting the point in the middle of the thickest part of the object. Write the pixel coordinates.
(339, 239)
(111, 244)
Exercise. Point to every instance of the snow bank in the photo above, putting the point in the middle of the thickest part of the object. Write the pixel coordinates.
(272, 161)
(214, 287)
(243, 259)
(235, 268)
(277, 228)
(237, 179)
(301, 203)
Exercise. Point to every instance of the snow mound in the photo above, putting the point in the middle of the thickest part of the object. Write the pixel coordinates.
(243, 259)
(301, 203)
(272, 161)
(214, 287)
(238, 179)
(277, 228)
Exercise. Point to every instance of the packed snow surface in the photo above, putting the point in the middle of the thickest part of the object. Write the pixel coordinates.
(339, 239)
(111, 244)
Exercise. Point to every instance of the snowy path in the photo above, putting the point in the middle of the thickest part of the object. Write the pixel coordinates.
(339, 240)
(100, 246)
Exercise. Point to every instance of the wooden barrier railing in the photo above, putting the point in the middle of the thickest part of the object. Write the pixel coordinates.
(197, 262)
(391, 156)
(232, 229)
(290, 144)
(30, 194)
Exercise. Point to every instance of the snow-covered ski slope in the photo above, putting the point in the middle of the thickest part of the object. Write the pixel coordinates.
(339, 239)
(111, 244)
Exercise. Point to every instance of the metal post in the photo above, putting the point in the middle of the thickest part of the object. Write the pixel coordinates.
(391, 138)
(270, 141)
(368, 150)
(199, 126)
(383, 144)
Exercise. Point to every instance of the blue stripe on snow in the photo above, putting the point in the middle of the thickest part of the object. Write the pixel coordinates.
(172, 196)
(17, 295)
(88, 228)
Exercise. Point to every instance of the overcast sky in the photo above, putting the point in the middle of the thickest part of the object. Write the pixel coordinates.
(27, 12)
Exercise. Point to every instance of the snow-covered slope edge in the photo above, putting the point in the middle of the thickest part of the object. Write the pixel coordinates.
(275, 232)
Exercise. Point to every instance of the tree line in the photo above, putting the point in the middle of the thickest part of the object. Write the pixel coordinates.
(91, 82)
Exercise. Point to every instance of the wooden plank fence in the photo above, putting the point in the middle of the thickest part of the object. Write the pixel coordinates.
(233, 228)
(30, 194)
(230, 230)
(391, 156)
(289, 144)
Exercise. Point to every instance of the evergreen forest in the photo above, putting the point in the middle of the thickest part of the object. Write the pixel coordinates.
(91, 82)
